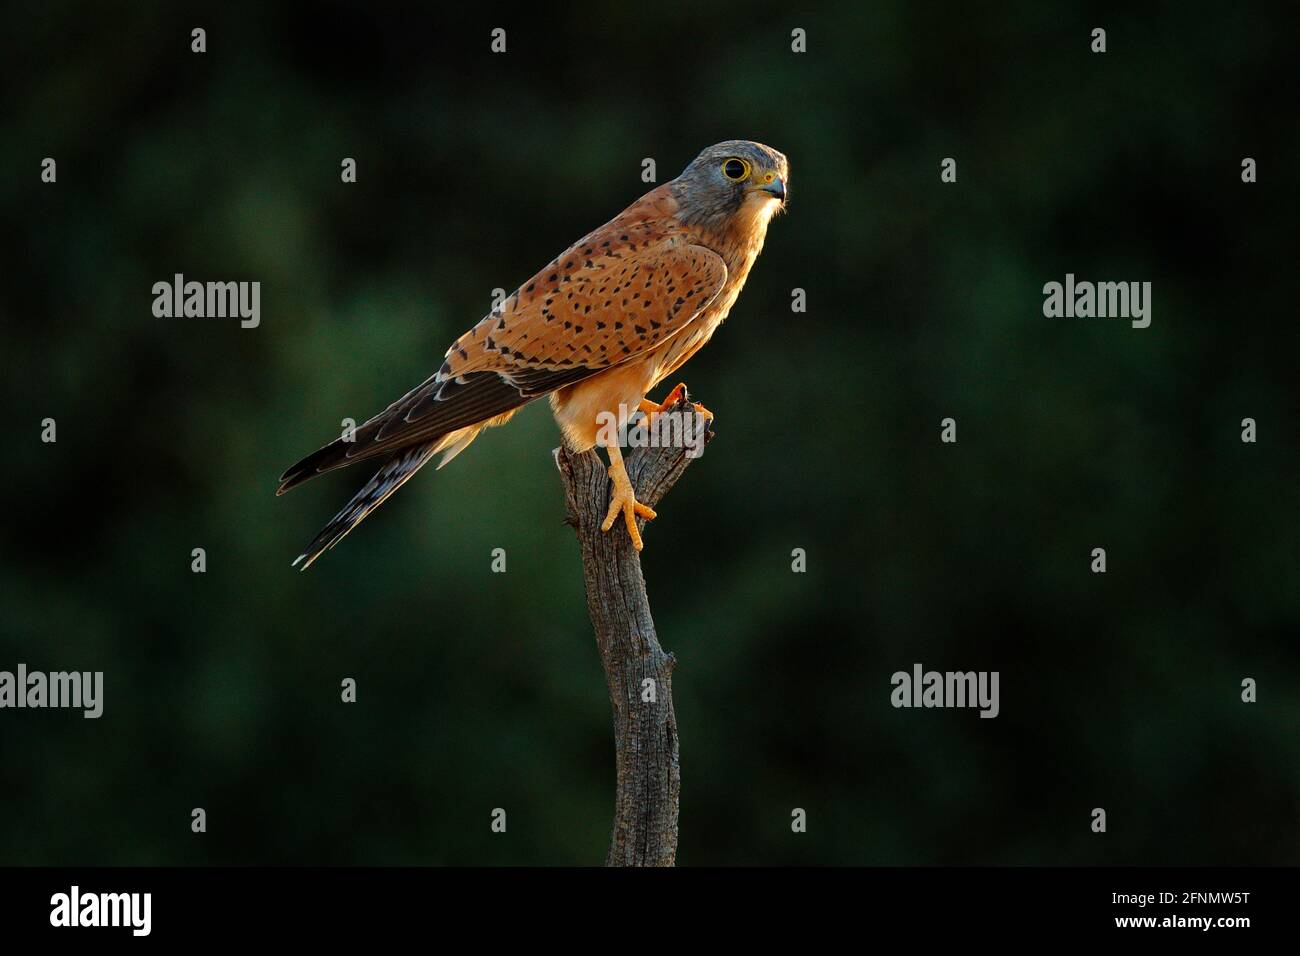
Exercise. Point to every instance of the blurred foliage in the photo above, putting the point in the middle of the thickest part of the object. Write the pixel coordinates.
(481, 690)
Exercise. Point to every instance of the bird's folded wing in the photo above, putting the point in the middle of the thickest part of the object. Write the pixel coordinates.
(614, 295)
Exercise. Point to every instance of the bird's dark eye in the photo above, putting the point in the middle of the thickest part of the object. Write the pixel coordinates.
(736, 170)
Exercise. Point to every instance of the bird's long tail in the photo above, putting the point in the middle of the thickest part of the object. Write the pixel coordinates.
(396, 469)
(389, 478)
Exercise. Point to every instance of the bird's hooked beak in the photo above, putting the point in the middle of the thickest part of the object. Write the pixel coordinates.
(765, 184)
(776, 188)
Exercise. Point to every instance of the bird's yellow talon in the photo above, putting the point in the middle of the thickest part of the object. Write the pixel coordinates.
(651, 409)
(676, 395)
(623, 500)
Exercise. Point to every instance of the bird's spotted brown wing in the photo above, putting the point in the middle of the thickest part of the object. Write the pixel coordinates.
(601, 303)
(618, 292)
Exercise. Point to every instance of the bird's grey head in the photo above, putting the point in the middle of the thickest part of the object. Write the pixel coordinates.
(731, 178)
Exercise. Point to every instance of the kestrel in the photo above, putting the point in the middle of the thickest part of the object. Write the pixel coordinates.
(602, 324)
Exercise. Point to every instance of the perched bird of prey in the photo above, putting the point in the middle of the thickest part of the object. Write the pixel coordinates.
(602, 324)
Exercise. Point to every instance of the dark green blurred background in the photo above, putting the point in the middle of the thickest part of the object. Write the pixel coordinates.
(481, 690)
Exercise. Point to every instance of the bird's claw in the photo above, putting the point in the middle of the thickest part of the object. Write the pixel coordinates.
(679, 394)
(624, 500)
(676, 395)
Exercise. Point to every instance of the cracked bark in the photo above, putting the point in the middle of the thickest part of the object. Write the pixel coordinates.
(648, 780)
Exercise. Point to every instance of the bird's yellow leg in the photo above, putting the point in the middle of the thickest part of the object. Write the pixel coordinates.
(651, 409)
(624, 498)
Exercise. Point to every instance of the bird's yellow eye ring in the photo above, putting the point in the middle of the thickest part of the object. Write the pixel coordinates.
(737, 170)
